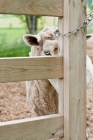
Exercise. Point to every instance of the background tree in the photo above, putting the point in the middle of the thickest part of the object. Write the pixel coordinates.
(30, 22)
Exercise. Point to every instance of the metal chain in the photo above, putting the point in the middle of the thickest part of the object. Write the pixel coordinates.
(84, 24)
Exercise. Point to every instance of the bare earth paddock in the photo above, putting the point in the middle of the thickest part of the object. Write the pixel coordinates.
(14, 106)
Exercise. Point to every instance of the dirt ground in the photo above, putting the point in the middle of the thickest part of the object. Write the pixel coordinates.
(14, 105)
(89, 111)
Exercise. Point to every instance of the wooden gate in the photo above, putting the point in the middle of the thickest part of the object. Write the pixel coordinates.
(70, 122)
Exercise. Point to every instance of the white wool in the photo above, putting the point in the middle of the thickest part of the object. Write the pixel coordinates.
(89, 71)
(48, 33)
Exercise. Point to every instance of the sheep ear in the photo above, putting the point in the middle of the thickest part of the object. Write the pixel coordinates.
(88, 36)
(31, 39)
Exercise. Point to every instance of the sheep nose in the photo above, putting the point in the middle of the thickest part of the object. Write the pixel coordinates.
(46, 52)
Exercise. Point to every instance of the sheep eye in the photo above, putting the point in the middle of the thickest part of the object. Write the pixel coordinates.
(56, 49)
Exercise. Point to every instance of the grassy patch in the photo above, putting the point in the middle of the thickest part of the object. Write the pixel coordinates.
(7, 21)
(12, 44)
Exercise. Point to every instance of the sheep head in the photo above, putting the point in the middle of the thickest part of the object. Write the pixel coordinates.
(43, 44)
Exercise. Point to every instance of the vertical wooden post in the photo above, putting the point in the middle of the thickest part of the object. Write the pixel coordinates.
(74, 71)
(60, 81)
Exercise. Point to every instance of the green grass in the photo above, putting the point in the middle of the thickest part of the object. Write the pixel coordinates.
(12, 44)
(12, 32)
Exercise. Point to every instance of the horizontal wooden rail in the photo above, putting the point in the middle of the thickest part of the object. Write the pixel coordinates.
(32, 7)
(39, 128)
(22, 69)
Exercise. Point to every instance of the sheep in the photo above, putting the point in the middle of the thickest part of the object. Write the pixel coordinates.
(89, 71)
(40, 93)
(89, 60)
(43, 94)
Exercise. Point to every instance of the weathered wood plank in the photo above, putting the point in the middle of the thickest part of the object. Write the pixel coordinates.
(74, 71)
(32, 7)
(39, 128)
(22, 69)
(60, 81)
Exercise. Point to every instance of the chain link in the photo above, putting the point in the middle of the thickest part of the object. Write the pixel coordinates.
(84, 24)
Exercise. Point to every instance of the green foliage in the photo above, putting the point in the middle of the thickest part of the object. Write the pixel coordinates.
(89, 10)
(28, 23)
(90, 4)
(24, 19)
(12, 44)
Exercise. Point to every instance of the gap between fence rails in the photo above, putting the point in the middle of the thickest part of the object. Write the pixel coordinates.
(84, 24)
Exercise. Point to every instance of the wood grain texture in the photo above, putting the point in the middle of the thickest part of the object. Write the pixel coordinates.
(60, 81)
(39, 128)
(22, 69)
(74, 71)
(32, 7)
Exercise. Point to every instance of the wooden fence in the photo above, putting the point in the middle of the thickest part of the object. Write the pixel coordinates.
(70, 122)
